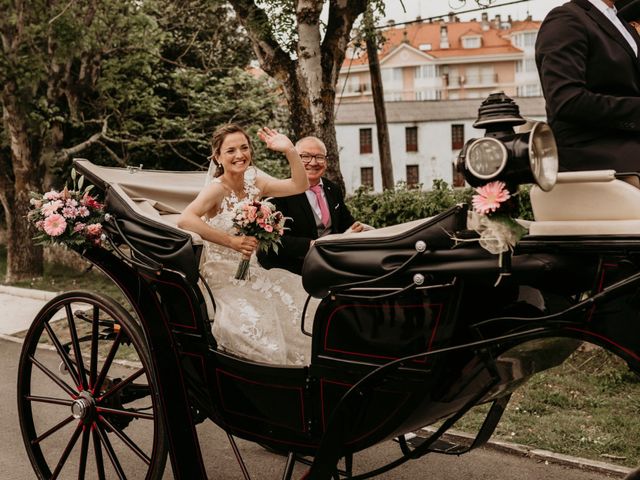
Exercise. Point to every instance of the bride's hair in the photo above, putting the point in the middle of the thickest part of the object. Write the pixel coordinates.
(218, 137)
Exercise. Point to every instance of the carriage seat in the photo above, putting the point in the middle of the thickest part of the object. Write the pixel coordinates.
(586, 203)
(351, 257)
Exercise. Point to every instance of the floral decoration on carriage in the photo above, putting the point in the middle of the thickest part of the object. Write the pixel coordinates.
(71, 216)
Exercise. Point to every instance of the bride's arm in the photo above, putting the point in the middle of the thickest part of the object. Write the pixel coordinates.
(273, 187)
(208, 200)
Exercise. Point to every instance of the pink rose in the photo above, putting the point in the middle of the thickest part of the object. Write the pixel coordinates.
(55, 225)
(268, 228)
(251, 213)
(94, 230)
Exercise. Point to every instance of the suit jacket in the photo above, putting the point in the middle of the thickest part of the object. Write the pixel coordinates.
(302, 227)
(591, 82)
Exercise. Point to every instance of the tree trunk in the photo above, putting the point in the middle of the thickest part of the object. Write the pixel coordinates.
(24, 259)
(384, 149)
(308, 83)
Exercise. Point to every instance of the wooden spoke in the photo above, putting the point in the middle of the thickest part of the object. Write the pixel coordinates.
(53, 429)
(93, 363)
(67, 451)
(61, 383)
(126, 440)
(86, 432)
(107, 363)
(110, 452)
(55, 401)
(97, 449)
(120, 385)
(63, 354)
(126, 413)
(76, 347)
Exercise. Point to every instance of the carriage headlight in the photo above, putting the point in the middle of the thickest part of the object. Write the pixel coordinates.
(486, 158)
(543, 156)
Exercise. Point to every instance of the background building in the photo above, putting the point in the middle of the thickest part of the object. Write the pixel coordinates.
(425, 139)
(434, 77)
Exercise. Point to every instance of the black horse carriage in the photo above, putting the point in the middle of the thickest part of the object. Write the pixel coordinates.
(412, 329)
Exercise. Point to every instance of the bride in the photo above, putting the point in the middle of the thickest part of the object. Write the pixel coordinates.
(257, 318)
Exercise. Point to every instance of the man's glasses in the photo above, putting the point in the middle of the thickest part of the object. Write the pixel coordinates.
(320, 159)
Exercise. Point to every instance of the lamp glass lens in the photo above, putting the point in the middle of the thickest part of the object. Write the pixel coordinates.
(486, 158)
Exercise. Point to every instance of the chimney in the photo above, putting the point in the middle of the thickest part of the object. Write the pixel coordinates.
(451, 17)
(418, 18)
(391, 23)
(497, 21)
(485, 21)
(444, 37)
(405, 36)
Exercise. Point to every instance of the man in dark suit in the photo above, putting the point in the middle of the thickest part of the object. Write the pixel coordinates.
(587, 58)
(317, 212)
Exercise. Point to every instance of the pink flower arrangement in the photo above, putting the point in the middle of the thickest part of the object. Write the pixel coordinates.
(261, 220)
(490, 197)
(69, 217)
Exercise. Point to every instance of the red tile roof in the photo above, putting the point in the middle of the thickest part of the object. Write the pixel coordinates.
(494, 41)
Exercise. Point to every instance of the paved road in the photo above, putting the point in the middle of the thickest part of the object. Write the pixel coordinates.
(221, 464)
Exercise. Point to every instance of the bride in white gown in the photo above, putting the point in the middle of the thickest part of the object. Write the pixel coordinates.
(257, 318)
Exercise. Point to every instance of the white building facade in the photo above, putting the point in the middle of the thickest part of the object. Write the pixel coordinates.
(425, 139)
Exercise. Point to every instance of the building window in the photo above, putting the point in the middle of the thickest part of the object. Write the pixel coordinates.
(524, 40)
(366, 144)
(413, 176)
(425, 71)
(411, 137)
(526, 65)
(458, 177)
(471, 42)
(457, 136)
(366, 177)
(529, 90)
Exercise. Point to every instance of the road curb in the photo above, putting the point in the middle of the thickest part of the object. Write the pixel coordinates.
(538, 454)
(28, 293)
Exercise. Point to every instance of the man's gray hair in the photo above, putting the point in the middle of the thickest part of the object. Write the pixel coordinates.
(311, 137)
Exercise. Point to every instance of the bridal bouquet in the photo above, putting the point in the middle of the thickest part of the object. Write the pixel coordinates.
(68, 217)
(261, 220)
(491, 218)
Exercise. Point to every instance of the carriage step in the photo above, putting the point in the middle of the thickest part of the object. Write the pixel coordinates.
(440, 446)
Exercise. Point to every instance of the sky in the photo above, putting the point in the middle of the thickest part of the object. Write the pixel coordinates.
(427, 8)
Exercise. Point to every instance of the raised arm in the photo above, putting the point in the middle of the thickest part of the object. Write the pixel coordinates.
(273, 187)
(208, 203)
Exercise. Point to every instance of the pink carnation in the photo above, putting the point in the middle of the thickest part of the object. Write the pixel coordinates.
(83, 212)
(489, 197)
(51, 207)
(69, 212)
(78, 227)
(55, 225)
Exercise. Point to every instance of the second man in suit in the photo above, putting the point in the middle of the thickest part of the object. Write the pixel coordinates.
(587, 58)
(317, 212)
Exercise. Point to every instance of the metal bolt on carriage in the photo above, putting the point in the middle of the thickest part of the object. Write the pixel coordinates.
(412, 329)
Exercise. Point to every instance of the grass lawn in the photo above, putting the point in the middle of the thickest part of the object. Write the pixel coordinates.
(587, 407)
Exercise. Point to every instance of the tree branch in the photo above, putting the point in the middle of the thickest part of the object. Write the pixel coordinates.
(272, 58)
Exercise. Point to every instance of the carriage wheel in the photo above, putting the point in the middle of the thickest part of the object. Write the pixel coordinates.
(87, 400)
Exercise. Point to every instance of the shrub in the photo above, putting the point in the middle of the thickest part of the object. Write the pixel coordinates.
(403, 204)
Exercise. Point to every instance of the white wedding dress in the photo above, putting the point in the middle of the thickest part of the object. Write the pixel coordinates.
(257, 318)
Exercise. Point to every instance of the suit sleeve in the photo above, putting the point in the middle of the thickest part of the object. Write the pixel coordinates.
(562, 50)
(293, 246)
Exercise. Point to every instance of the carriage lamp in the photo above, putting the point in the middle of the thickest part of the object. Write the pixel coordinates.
(503, 154)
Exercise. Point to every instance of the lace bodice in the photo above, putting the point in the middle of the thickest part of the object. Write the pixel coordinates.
(224, 219)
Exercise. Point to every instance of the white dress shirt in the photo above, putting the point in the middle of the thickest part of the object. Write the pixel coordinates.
(612, 14)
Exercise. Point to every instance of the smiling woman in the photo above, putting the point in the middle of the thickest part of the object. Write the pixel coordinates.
(246, 325)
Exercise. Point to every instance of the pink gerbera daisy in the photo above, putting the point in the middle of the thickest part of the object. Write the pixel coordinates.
(489, 197)
(55, 225)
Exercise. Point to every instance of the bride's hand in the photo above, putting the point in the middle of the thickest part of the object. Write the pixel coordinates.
(274, 140)
(245, 245)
